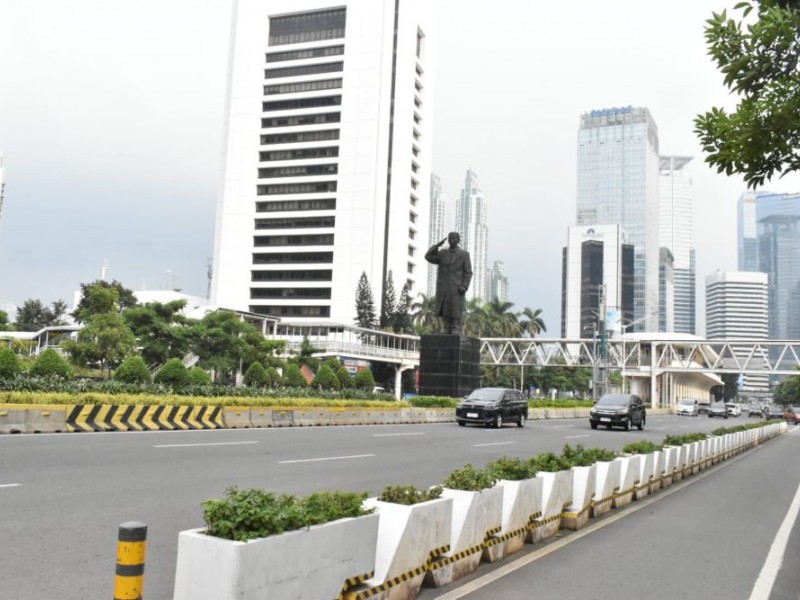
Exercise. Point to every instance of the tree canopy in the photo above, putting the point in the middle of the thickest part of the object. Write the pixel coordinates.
(758, 56)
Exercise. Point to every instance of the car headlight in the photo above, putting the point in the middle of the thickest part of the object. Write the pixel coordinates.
(592, 411)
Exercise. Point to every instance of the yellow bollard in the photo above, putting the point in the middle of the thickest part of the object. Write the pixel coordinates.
(131, 545)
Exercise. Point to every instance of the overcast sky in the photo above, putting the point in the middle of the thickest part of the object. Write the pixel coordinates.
(111, 120)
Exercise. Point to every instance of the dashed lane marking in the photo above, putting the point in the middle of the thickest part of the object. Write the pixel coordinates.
(562, 426)
(572, 437)
(396, 434)
(493, 444)
(207, 444)
(10, 485)
(306, 460)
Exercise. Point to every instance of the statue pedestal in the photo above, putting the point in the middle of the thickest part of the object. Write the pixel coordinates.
(449, 365)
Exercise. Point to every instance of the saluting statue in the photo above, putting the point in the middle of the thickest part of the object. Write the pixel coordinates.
(452, 280)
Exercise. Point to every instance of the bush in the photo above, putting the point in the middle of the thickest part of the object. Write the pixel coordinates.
(641, 447)
(364, 380)
(256, 375)
(512, 469)
(686, 438)
(343, 375)
(133, 370)
(325, 379)
(10, 366)
(274, 376)
(198, 376)
(293, 377)
(51, 364)
(409, 494)
(550, 463)
(172, 374)
(585, 457)
(252, 513)
(469, 479)
(433, 402)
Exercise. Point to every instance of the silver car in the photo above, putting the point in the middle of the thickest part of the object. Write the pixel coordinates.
(688, 407)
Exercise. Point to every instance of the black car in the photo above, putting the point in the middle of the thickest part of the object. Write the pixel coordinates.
(718, 409)
(620, 410)
(493, 406)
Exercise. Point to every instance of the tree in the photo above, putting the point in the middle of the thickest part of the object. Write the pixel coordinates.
(105, 340)
(365, 304)
(501, 319)
(198, 376)
(326, 379)
(10, 366)
(4, 323)
(173, 374)
(306, 355)
(388, 303)
(161, 331)
(364, 380)
(476, 319)
(274, 376)
(88, 305)
(532, 322)
(425, 319)
(256, 375)
(729, 388)
(787, 392)
(293, 377)
(343, 375)
(218, 339)
(759, 61)
(51, 364)
(133, 370)
(401, 320)
(33, 315)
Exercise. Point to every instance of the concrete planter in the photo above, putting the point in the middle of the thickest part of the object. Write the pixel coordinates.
(522, 502)
(308, 564)
(629, 476)
(659, 467)
(646, 467)
(670, 464)
(607, 483)
(409, 536)
(583, 486)
(476, 517)
(556, 494)
(687, 459)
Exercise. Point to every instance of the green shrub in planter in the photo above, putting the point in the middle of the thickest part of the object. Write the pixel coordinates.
(293, 377)
(256, 375)
(51, 364)
(252, 513)
(686, 438)
(409, 494)
(274, 376)
(10, 366)
(586, 457)
(364, 380)
(550, 463)
(433, 402)
(343, 375)
(513, 469)
(326, 379)
(133, 370)
(641, 447)
(469, 479)
(173, 374)
(198, 376)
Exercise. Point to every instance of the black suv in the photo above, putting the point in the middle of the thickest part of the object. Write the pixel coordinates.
(493, 406)
(620, 410)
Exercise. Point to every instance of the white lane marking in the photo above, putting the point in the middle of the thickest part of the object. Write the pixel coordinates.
(10, 485)
(304, 460)
(660, 428)
(207, 444)
(562, 426)
(766, 579)
(396, 434)
(493, 444)
(572, 437)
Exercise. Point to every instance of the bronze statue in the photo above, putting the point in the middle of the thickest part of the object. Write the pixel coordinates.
(452, 280)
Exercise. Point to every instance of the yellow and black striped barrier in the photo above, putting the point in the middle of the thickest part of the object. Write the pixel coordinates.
(353, 582)
(512, 534)
(394, 581)
(131, 546)
(447, 560)
(135, 417)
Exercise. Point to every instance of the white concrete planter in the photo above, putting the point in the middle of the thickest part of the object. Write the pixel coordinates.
(713, 450)
(687, 459)
(607, 483)
(583, 486)
(308, 564)
(671, 455)
(522, 502)
(629, 474)
(646, 468)
(407, 536)
(556, 494)
(659, 466)
(698, 458)
(476, 516)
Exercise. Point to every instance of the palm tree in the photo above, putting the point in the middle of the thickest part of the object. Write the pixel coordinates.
(476, 319)
(534, 324)
(502, 321)
(424, 319)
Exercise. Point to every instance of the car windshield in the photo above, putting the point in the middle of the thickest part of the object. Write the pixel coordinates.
(775, 409)
(687, 402)
(486, 394)
(719, 405)
(613, 400)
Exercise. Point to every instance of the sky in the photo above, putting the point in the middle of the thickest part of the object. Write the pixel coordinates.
(111, 119)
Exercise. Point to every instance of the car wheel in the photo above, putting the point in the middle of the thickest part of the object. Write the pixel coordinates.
(461, 423)
(628, 424)
(640, 426)
(592, 425)
(498, 421)
(521, 421)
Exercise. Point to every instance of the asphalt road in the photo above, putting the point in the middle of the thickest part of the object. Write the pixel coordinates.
(62, 496)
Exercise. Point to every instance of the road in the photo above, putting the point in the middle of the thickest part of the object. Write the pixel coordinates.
(62, 496)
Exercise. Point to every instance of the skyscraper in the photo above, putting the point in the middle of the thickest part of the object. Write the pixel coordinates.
(737, 307)
(472, 222)
(618, 185)
(327, 155)
(676, 232)
(497, 282)
(438, 231)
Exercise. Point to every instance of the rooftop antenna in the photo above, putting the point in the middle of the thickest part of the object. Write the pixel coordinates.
(104, 270)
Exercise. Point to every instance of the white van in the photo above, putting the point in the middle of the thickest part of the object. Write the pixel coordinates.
(688, 407)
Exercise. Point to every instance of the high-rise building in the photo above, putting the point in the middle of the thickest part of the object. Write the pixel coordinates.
(676, 232)
(597, 262)
(769, 242)
(438, 229)
(618, 185)
(497, 283)
(666, 290)
(737, 307)
(327, 155)
(472, 222)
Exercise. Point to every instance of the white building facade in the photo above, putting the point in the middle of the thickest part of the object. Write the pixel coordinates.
(497, 282)
(617, 184)
(438, 229)
(472, 222)
(737, 307)
(327, 155)
(676, 217)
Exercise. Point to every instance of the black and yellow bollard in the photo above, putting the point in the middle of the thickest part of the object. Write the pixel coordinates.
(131, 545)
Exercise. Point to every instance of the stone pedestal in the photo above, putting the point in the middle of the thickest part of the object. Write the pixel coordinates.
(449, 365)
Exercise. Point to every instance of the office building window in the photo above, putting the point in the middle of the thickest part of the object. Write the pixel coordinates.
(300, 136)
(291, 293)
(296, 223)
(302, 86)
(299, 154)
(277, 258)
(295, 120)
(296, 188)
(283, 275)
(307, 27)
(298, 171)
(294, 240)
(292, 205)
(303, 54)
(299, 103)
(333, 67)
(291, 311)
